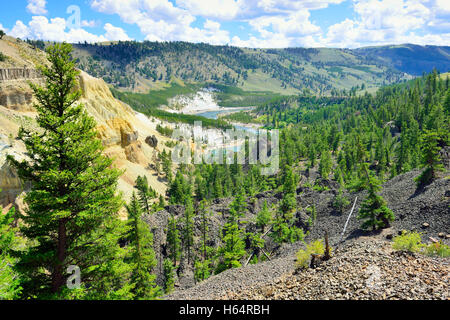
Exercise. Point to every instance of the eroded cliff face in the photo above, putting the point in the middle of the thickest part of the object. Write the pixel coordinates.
(114, 118)
(122, 131)
(16, 95)
(18, 74)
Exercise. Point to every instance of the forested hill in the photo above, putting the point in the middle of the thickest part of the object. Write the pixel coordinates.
(410, 58)
(139, 66)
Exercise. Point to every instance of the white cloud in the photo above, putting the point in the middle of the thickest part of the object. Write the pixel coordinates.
(381, 22)
(160, 20)
(20, 30)
(275, 41)
(37, 6)
(115, 33)
(294, 25)
(222, 9)
(56, 30)
(211, 25)
(443, 6)
(272, 23)
(278, 23)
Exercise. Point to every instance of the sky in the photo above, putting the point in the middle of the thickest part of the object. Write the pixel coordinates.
(243, 23)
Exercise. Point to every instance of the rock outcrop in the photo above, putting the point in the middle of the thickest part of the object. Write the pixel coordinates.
(151, 141)
(18, 74)
(120, 128)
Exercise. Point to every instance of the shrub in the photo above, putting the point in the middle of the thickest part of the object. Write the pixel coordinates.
(316, 247)
(303, 255)
(202, 270)
(438, 249)
(302, 259)
(340, 202)
(411, 241)
(408, 241)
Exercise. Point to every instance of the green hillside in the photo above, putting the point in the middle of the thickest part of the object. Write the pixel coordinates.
(140, 66)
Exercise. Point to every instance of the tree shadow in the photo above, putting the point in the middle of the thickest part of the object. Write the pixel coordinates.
(419, 189)
(357, 233)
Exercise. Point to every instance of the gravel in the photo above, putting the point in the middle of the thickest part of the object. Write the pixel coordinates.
(368, 270)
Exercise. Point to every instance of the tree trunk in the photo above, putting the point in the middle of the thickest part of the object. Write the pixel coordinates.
(58, 276)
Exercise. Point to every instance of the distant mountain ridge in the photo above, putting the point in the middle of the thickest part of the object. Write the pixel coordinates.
(410, 58)
(142, 66)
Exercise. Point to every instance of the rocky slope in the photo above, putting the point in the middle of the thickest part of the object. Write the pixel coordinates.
(346, 275)
(122, 131)
(360, 270)
(363, 270)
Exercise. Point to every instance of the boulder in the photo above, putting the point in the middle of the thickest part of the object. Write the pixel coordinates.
(151, 141)
(133, 153)
(128, 137)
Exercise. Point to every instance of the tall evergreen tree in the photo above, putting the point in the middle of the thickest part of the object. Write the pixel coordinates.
(232, 249)
(264, 217)
(325, 164)
(238, 207)
(173, 241)
(72, 207)
(430, 158)
(188, 228)
(145, 193)
(143, 256)
(204, 215)
(9, 281)
(169, 276)
(374, 211)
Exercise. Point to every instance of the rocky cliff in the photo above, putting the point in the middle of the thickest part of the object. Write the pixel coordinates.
(18, 74)
(122, 131)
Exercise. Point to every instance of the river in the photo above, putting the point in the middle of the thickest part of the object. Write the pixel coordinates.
(214, 114)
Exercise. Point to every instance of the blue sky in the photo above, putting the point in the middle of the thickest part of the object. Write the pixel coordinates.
(245, 23)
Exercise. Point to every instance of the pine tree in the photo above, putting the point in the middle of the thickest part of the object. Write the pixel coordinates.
(204, 215)
(447, 102)
(238, 207)
(430, 158)
(202, 269)
(173, 241)
(169, 277)
(166, 160)
(264, 217)
(179, 189)
(284, 229)
(188, 228)
(373, 209)
(145, 193)
(9, 281)
(340, 201)
(143, 256)
(72, 207)
(232, 249)
(255, 243)
(203, 266)
(325, 164)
